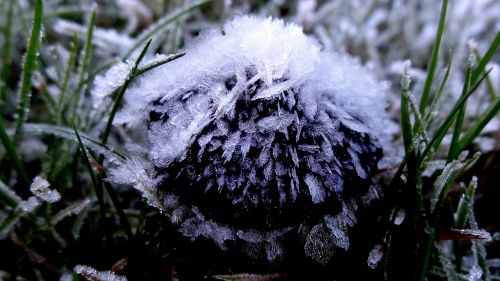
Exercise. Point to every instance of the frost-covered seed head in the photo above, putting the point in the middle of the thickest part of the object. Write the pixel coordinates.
(259, 136)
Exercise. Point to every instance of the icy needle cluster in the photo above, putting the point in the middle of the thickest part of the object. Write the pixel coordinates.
(260, 139)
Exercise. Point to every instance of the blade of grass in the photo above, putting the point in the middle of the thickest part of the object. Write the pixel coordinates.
(67, 133)
(119, 210)
(465, 204)
(73, 209)
(441, 132)
(156, 63)
(481, 66)
(437, 96)
(460, 215)
(454, 147)
(13, 156)
(161, 24)
(405, 110)
(66, 79)
(445, 180)
(427, 254)
(79, 221)
(476, 129)
(30, 62)
(51, 105)
(114, 198)
(449, 180)
(489, 84)
(117, 102)
(8, 196)
(84, 65)
(6, 55)
(434, 59)
(134, 72)
(410, 140)
(95, 184)
(491, 112)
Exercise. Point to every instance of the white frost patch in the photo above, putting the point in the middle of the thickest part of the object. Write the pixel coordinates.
(315, 189)
(275, 49)
(475, 274)
(375, 256)
(92, 274)
(135, 172)
(29, 205)
(299, 105)
(40, 188)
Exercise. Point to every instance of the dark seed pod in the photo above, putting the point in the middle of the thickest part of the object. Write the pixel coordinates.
(258, 138)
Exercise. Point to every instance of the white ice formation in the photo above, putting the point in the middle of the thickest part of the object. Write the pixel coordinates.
(256, 138)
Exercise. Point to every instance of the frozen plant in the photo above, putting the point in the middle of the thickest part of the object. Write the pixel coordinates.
(40, 188)
(92, 274)
(259, 139)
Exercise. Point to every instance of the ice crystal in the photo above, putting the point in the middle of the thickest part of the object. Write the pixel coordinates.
(375, 256)
(256, 135)
(40, 188)
(29, 205)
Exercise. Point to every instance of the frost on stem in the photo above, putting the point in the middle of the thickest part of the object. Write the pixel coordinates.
(259, 138)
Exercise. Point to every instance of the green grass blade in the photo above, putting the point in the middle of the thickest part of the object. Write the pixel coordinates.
(156, 63)
(434, 60)
(84, 65)
(441, 132)
(72, 210)
(125, 224)
(123, 88)
(454, 147)
(481, 66)
(427, 254)
(66, 78)
(134, 72)
(437, 96)
(161, 24)
(489, 84)
(51, 105)
(13, 156)
(405, 110)
(6, 55)
(8, 196)
(442, 193)
(476, 129)
(494, 108)
(67, 133)
(465, 204)
(97, 187)
(30, 62)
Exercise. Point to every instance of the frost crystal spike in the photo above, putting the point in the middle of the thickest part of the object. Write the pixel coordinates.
(255, 137)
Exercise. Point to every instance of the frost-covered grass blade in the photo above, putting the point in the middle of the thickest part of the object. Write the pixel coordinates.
(454, 149)
(65, 86)
(6, 53)
(13, 156)
(84, 66)
(29, 67)
(433, 60)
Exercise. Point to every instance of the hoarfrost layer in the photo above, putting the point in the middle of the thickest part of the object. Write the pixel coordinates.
(258, 137)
